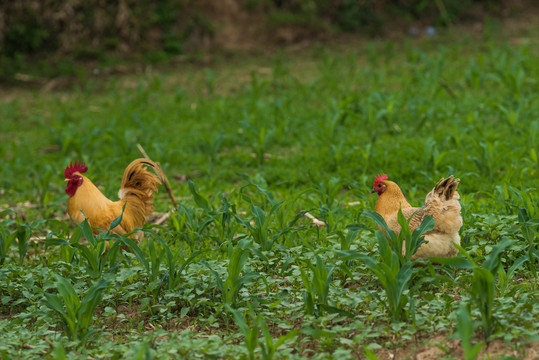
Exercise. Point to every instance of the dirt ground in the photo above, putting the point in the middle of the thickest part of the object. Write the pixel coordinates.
(439, 347)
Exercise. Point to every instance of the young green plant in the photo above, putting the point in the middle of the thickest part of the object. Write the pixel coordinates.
(267, 344)
(75, 313)
(316, 293)
(483, 289)
(231, 286)
(392, 268)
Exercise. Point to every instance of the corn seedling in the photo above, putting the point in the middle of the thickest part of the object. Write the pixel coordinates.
(258, 137)
(393, 269)
(94, 250)
(250, 333)
(348, 239)
(155, 254)
(75, 313)
(483, 289)
(316, 285)
(268, 345)
(257, 324)
(504, 277)
(266, 229)
(197, 228)
(6, 237)
(231, 286)
(23, 234)
(174, 265)
(465, 329)
(530, 231)
(260, 231)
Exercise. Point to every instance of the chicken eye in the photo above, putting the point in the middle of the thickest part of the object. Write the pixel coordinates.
(379, 185)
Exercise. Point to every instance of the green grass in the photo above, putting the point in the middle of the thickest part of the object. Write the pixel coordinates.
(237, 271)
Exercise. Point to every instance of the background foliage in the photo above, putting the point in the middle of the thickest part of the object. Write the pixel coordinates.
(46, 37)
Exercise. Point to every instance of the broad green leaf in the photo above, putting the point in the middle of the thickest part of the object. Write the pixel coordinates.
(492, 261)
(90, 302)
(87, 231)
(199, 200)
(138, 252)
(118, 220)
(456, 262)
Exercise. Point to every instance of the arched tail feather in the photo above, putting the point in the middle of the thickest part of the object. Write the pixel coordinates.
(138, 187)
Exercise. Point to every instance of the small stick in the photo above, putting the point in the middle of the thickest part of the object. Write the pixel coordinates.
(49, 342)
(165, 180)
(447, 88)
(143, 152)
(162, 219)
(317, 222)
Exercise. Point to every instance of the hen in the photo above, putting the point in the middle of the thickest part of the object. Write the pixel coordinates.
(136, 191)
(442, 203)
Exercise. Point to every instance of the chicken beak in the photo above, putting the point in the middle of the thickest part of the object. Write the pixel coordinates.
(66, 180)
(373, 191)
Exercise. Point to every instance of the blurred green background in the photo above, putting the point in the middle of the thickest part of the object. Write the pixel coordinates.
(48, 38)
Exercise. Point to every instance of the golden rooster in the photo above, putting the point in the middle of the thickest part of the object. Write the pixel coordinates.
(138, 186)
(442, 203)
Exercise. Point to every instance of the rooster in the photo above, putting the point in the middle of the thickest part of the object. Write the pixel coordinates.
(442, 203)
(136, 192)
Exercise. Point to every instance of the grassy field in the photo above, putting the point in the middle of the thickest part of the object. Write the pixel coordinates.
(249, 145)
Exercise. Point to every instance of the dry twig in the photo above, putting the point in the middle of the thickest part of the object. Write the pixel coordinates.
(317, 222)
(162, 219)
(447, 88)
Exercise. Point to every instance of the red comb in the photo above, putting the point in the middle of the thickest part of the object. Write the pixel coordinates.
(380, 177)
(72, 168)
